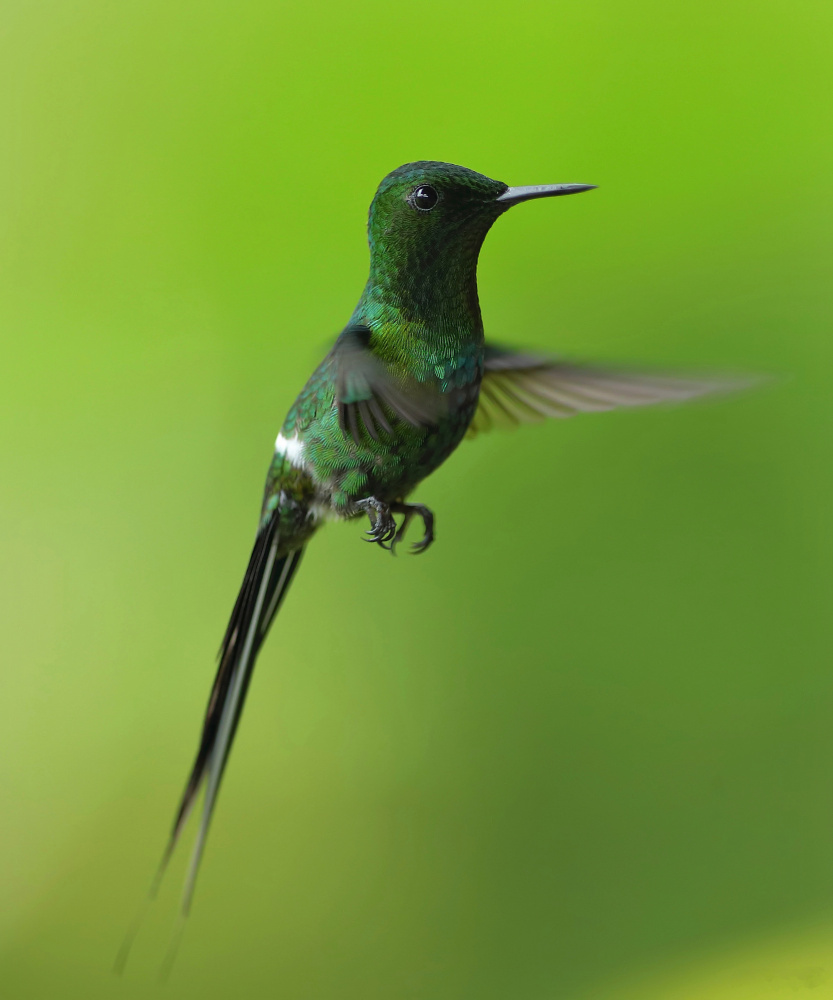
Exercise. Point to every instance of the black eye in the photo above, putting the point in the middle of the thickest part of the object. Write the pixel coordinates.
(424, 198)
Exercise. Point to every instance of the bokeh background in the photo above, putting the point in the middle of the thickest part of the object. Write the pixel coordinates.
(584, 748)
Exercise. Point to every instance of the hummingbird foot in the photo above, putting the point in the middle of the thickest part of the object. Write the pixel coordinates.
(382, 523)
(409, 509)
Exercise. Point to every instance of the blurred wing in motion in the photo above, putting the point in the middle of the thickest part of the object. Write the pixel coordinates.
(524, 388)
(368, 392)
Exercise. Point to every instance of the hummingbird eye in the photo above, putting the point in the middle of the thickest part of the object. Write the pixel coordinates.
(424, 198)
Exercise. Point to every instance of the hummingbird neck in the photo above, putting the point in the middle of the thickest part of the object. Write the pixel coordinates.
(428, 297)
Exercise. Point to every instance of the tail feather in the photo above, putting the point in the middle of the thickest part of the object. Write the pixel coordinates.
(265, 583)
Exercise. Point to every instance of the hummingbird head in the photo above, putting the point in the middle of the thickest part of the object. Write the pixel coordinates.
(442, 205)
(428, 221)
(430, 206)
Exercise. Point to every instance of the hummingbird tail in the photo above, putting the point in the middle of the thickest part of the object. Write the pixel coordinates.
(265, 583)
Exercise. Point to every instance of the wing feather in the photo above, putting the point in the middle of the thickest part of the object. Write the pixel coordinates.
(522, 388)
(370, 392)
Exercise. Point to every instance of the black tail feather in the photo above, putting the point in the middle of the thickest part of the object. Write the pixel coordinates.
(265, 583)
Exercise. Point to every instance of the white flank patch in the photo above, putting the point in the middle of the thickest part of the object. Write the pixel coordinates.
(292, 449)
(323, 512)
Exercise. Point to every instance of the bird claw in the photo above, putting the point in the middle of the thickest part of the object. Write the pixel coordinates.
(383, 530)
(382, 524)
(409, 509)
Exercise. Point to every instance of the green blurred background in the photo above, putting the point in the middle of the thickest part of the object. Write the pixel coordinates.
(584, 748)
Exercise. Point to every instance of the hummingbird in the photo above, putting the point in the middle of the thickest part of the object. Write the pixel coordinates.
(408, 378)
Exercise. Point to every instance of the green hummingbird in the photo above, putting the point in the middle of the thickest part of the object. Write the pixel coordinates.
(407, 379)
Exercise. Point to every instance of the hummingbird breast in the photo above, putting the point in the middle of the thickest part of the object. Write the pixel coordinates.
(320, 469)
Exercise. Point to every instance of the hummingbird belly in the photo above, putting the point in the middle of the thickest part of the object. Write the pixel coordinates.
(320, 470)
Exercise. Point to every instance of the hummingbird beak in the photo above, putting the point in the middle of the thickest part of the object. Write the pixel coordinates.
(512, 196)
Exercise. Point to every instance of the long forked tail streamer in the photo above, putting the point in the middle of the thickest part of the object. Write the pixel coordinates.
(265, 583)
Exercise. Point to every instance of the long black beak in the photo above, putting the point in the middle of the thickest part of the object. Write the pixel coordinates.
(512, 196)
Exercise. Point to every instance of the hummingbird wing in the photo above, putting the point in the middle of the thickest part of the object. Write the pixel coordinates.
(524, 388)
(369, 391)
